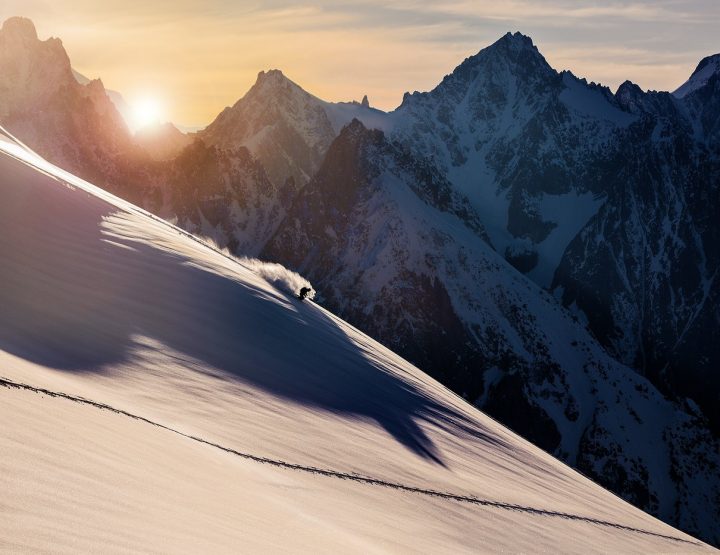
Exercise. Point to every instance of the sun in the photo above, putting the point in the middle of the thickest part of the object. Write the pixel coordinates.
(146, 111)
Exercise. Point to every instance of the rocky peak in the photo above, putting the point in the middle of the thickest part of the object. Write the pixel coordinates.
(271, 79)
(710, 62)
(19, 28)
(31, 70)
(356, 132)
(628, 94)
(511, 59)
(365, 103)
(705, 70)
(515, 42)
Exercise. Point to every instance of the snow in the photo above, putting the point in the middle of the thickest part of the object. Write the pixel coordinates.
(589, 102)
(570, 212)
(706, 69)
(342, 113)
(256, 411)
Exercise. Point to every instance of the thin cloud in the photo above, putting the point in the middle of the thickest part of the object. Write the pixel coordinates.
(203, 57)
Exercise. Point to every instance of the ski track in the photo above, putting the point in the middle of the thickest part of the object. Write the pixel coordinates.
(9, 384)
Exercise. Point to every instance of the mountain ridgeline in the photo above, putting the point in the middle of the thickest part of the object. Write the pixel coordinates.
(545, 247)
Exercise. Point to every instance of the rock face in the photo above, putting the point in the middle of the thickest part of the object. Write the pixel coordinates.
(287, 129)
(74, 125)
(644, 269)
(396, 250)
(544, 247)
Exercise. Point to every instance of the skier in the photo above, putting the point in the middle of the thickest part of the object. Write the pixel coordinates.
(304, 293)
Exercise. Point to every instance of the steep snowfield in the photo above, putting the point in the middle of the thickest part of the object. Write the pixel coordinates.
(243, 419)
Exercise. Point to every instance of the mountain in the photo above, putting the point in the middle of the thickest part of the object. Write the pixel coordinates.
(644, 269)
(606, 201)
(517, 138)
(159, 395)
(537, 243)
(75, 125)
(398, 253)
(287, 129)
(115, 97)
(707, 69)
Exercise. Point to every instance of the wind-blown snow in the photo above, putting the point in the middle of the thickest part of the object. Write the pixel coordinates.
(256, 411)
(278, 275)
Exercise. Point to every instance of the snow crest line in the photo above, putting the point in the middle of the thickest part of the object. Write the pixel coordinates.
(9, 384)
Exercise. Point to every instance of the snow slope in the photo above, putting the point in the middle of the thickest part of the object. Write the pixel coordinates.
(205, 409)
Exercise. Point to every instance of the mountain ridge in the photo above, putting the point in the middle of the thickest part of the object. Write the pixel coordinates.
(521, 181)
(260, 407)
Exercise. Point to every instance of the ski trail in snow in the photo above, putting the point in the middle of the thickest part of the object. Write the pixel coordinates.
(9, 384)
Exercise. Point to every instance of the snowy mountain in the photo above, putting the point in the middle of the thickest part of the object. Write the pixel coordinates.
(222, 193)
(607, 200)
(518, 139)
(287, 129)
(644, 270)
(158, 395)
(539, 244)
(707, 69)
(393, 249)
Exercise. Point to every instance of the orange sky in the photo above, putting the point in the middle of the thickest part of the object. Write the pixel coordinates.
(197, 58)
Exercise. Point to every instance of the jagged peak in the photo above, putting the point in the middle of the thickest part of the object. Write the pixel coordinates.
(628, 87)
(272, 77)
(356, 132)
(713, 60)
(705, 70)
(20, 27)
(353, 128)
(515, 41)
(513, 48)
(273, 80)
(515, 51)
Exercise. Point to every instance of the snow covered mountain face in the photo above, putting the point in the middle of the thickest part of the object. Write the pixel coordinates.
(607, 201)
(395, 250)
(456, 236)
(287, 129)
(288, 132)
(644, 270)
(157, 395)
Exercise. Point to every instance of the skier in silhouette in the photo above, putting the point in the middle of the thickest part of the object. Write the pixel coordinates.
(304, 293)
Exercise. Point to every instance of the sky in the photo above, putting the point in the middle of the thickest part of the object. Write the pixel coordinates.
(194, 58)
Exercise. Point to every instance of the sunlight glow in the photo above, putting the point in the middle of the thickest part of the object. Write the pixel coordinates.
(146, 111)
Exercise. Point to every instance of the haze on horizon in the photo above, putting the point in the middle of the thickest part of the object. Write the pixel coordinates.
(197, 59)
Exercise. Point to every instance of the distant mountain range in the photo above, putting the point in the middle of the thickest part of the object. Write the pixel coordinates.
(545, 247)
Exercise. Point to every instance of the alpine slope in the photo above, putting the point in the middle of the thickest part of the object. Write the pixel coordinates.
(160, 396)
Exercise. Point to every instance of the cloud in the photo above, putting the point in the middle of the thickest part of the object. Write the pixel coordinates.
(202, 57)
